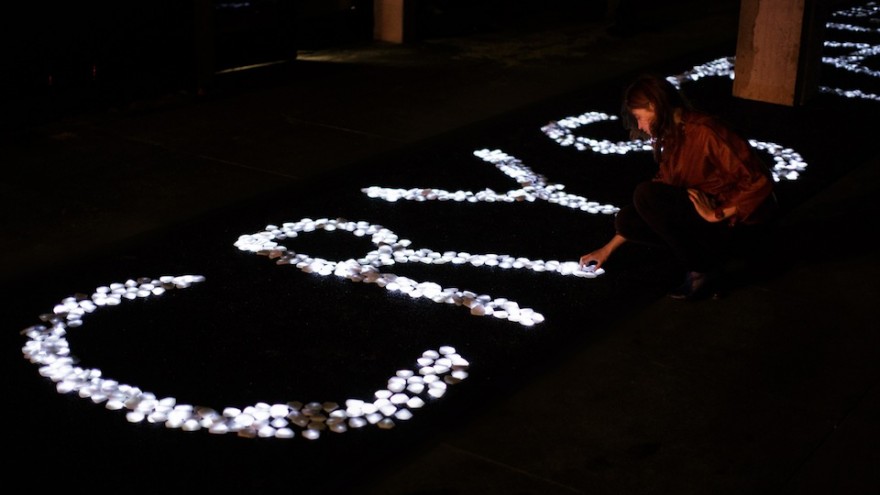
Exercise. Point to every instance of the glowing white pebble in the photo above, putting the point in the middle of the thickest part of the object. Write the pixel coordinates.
(191, 425)
(398, 399)
(135, 417)
(311, 434)
(284, 433)
(218, 428)
(158, 417)
(455, 378)
(260, 412)
(279, 410)
(357, 422)
(396, 384)
(242, 421)
(266, 432)
(403, 414)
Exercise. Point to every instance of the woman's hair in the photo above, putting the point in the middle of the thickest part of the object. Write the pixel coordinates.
(652, 89)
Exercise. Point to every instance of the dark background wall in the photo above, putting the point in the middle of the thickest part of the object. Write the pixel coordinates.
(63, 57)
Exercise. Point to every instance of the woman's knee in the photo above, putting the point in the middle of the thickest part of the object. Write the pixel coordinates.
(626, 220)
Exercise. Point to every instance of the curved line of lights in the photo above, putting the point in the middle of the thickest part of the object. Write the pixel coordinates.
(390, 250)
(787, 163)
(407, 390)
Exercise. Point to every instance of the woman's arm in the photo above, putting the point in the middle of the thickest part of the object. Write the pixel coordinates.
(601, 255)
(707, 207)
(752, 180)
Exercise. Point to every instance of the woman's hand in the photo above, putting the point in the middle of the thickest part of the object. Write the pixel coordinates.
(704, 204)
(601, 255)
(597, 257)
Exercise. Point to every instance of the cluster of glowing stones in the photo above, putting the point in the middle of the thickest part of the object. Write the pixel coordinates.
(854, 61)
(390, 250)
(561, 131)
(721, 67)
(870, 9)
(534, 187)
(407, 390)
(787, 163)
(537, 187)
(850, 93)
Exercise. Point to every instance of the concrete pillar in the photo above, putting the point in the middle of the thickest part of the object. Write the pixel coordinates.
(778, 50)
(394, 20)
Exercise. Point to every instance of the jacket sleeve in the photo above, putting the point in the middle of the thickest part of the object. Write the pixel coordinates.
(748, 181)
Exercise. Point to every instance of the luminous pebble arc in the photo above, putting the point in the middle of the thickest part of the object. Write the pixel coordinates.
(404, 392)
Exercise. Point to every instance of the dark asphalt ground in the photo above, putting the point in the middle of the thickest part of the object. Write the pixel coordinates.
(772, 389)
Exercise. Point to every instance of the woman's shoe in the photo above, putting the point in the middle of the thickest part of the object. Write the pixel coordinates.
(697, 285)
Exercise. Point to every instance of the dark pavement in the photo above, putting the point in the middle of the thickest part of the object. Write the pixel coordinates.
(612, 389)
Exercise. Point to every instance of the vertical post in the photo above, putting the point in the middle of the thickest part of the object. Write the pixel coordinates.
(394, 20)
(778, 51)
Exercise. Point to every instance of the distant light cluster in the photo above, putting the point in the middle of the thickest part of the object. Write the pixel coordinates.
(870, 9)
(721, 67)
(853, 61)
